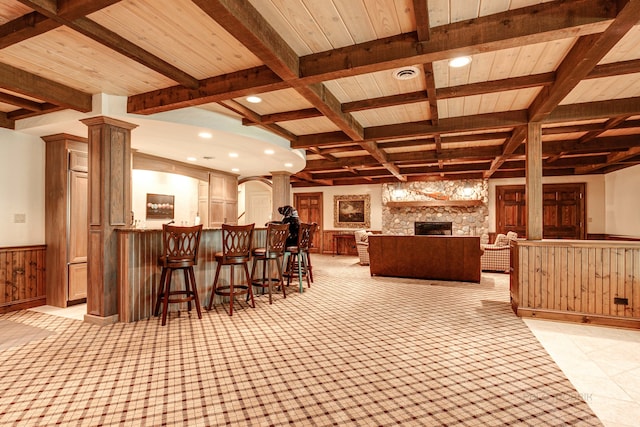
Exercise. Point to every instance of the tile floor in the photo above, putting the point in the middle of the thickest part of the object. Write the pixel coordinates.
(602, 364)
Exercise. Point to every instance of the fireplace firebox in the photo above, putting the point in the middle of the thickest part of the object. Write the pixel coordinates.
(432, 228)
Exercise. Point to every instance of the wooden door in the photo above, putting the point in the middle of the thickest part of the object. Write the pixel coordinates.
(511, 209)
(309, 207)
(563, 210)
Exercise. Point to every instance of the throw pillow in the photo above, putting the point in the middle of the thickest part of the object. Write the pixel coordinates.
(512, 235)
(501, 240)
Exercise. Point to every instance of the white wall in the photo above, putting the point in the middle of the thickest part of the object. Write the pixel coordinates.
(595, 187)
(183, 188)
(623, 202)
(374, 190)
(22, 159)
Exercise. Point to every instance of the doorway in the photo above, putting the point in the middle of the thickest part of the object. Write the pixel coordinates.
(309, 207)
(563, 213)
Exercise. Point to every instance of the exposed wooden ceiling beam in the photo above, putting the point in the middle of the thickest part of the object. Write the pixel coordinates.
(111, 39)
(25, 27)
(215, 89)
(534, 24)
(612, 159)
(241, 110)
(582, 59)
(511, 145)
(34, 86)
(610, 124)
(21, 102)
(383, 159)
(285, 116)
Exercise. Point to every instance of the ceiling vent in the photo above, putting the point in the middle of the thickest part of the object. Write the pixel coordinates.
(406, 73)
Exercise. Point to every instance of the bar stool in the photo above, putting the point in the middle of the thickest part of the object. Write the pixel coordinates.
(180, 252)
(312, 234)
(236, 251)
(297, 261)
(272, 253)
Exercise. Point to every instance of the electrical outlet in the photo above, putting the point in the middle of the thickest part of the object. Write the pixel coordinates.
(19, 218)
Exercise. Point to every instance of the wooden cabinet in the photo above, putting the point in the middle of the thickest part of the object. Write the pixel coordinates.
(339, 242)
(223, 199)
(563, 210)
(66, 226)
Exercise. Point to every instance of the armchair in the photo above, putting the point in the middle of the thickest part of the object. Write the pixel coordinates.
(497, 256)
(362, 245)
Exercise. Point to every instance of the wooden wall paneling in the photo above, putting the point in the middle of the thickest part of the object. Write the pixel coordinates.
(138, 272)
(22, 277)
(603, 281)
(561, 268)
(617, 279)
(580, 282)
(515, 267)
(632, 282)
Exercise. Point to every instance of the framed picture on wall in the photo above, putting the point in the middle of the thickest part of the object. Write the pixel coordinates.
(352, 211)
(160, 206)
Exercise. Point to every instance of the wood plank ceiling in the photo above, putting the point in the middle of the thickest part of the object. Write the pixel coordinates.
(325, 71)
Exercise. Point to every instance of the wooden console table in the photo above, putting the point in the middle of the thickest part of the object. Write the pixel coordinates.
(344, 240)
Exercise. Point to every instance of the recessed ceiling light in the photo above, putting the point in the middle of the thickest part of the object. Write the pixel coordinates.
(460, 61)
(191, 159)
(288, 165)
(269, 151)
(254, 99)
(235, 170)
(233, 154)
(206, 135)
(406, 73)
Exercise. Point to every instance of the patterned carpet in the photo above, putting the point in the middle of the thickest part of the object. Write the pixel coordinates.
(350, 351)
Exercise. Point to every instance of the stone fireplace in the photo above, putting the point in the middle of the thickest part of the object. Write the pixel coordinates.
(463, 203)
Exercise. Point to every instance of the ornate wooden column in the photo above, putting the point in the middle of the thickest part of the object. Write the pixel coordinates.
(533, 188)
(109, 208)
(281, 192)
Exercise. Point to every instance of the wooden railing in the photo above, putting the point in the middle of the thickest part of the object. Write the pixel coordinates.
(588, 281)
(22, 277)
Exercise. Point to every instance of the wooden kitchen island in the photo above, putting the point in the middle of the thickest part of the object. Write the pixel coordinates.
(586, 281)
(139, 274)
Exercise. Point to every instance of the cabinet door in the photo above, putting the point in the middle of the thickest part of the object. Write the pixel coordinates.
(223, 199)
(78, 231)
(78, 228)
(77, 281)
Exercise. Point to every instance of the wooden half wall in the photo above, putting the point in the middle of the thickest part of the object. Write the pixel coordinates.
(22, 277)
(587, 281)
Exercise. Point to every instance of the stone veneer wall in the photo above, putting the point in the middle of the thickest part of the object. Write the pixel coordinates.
(467, 221)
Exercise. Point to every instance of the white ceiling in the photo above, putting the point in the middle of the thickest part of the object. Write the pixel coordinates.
(174, 135)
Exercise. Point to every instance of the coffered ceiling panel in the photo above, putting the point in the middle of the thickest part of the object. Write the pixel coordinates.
(325, 73)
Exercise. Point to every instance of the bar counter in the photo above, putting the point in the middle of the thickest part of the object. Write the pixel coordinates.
(138, 273)
(586, 281)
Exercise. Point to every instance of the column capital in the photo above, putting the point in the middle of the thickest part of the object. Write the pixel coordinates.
(104, 120)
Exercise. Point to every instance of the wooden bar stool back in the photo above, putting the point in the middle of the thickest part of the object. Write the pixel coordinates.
(236, 251)
(297, 261)
(271, 254)
(180, 252)
(312, 235)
